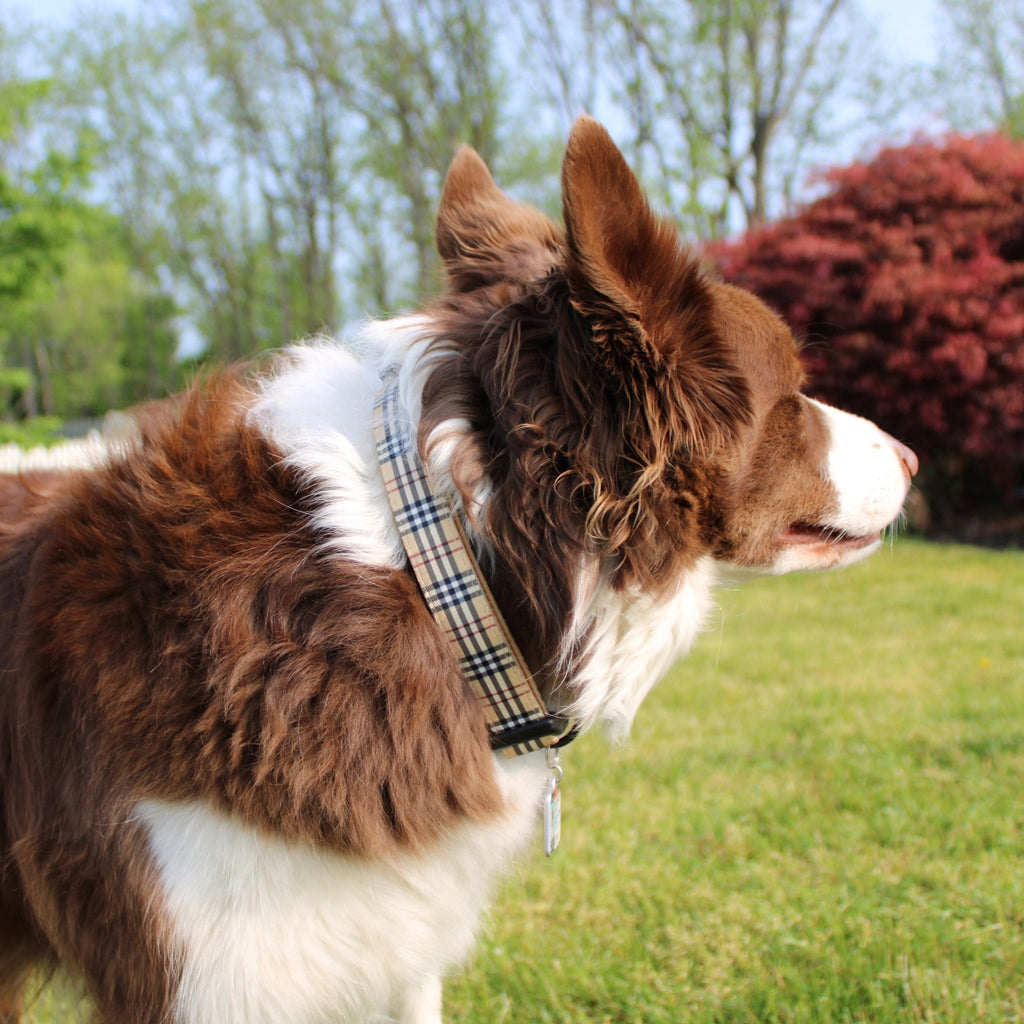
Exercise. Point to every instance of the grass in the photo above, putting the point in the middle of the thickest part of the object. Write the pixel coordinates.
(818, 819)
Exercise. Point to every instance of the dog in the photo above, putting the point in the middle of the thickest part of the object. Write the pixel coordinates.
(244, 776)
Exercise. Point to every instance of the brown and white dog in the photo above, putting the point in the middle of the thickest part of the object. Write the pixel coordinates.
(241, 776)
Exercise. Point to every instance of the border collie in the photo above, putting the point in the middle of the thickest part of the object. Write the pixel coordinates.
(243, 776)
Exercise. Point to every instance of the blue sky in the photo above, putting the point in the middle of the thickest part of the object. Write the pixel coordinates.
(905, 26)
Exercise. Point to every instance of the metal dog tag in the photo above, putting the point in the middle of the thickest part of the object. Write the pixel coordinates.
(552, 805)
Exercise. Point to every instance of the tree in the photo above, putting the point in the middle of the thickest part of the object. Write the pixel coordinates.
(80, 330)
(983, 69)
(430, 82)
(36, 218)
(96, 336)
(726, 97)
(279, 74)
(197, 177)
(280, 159)
(276, 163)
(907, 279)
(34, 221)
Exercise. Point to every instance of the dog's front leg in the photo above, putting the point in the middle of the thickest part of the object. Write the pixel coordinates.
(420, 1004)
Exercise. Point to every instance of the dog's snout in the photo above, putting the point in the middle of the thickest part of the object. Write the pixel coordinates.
(904, 454)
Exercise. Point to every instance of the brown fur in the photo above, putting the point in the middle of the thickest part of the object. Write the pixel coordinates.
(10, 1009)
(170, 630)
(628, 407)
(483, 237)
(776, 477)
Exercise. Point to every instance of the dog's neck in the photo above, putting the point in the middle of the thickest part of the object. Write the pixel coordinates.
(457, 594)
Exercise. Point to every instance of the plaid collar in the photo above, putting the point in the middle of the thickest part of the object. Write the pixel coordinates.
(457, 594)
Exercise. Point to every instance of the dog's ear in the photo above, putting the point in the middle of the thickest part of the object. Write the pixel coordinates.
(625, 263)
(645, 296)
(483, 236)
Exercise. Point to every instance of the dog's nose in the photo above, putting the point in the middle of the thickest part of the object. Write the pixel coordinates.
(905, 455)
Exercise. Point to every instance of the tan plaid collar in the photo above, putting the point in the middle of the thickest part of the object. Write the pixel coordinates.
(457, 594)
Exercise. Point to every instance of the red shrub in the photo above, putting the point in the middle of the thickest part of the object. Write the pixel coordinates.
(907, 281)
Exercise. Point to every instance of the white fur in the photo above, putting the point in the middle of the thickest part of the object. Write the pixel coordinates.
(632, 640)
(865, 467)
(318, 410)
(272, 932)
(870, 478)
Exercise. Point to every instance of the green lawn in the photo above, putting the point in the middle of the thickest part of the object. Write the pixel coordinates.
(818, 818)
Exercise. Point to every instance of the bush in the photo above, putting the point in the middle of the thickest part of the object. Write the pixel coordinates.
(906, 279)
(40, 430)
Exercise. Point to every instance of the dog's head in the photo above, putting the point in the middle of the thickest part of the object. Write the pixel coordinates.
(628, 411)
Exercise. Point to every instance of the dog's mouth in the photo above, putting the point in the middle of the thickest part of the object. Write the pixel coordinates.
(801, 533)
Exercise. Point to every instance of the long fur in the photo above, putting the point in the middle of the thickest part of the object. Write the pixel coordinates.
(241, 776)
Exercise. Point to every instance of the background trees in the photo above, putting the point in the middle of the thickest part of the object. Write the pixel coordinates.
(218, 177)
(280, 159)
(723, 100)
(985, 77)
(80, 329)
(275, 163)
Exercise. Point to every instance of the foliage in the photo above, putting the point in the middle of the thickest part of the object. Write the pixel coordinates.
(81, 330)
(724, 100)
(816, 820)
(96, 336)
(34, 207)
(280, 161)
(907, 279)
(41, 430)
(274, 164)
(984, 71)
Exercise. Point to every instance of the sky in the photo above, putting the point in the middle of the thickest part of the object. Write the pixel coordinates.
(906, 27)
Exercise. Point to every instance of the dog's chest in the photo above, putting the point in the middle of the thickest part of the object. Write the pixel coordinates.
(271, 931)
